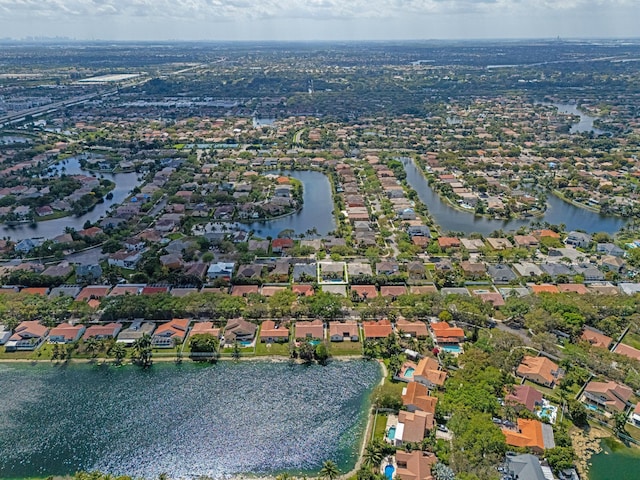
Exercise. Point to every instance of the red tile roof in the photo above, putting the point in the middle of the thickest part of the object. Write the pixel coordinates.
(381, 329)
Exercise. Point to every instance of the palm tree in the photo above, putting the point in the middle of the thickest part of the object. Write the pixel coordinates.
(236, 354)
(374, 454)
(329, 470)
(142, 351)
(118, 352)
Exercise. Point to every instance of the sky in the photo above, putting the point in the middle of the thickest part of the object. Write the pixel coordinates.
(310, 20)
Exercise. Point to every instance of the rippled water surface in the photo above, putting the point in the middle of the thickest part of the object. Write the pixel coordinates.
(187, 420)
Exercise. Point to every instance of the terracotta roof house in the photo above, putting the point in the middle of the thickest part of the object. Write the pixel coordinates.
(525, 241)
(278, 245)
(125, 289)
(42, 291)
(610, 396)
(313, 330)
(415, 396)
(201, 328)
(28, 335)
(493, 298)
(448, 242)
(377, 330)
(272, 333)
(412, 427)
(271, 290)
(578, 288)
(423, 289)
(473, 269)
(101, 332)
(530, 434)
(539, 370)
(524, 395)
(544, 288)
(151, 290)
(417, 329)
(392, 290)
(596, 337)
(239, 329)
(136, 330)
(66, 333)
(445, 333)
(302, 289)
(244, 290)
(545, 234)
(415, 465)
(167, 334)
(364, 292)
(627, 351)
(93, 292)
(499, 243)
(344, 332)
(428, 373)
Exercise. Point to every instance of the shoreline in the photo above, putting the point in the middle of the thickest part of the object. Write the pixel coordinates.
(585, 445)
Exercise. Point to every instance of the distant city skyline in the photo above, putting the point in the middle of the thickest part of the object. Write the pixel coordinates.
(309, 20)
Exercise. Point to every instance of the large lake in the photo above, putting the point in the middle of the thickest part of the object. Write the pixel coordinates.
(186, 420)
(558, 211)
(615, 462)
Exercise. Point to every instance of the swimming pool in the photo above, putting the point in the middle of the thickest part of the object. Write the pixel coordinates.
(408, 373)
(314, 342)
(388, 471)
(391, 434)
(451, 348)
(245, 343)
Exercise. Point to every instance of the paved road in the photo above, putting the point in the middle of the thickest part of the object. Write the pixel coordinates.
(522, 333)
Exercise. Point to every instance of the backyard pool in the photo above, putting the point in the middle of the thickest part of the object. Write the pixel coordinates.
(451, 348)
(388, 471)
(391, 434)
(408, 373)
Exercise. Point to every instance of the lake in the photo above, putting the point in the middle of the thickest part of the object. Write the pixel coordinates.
(558, 211)
(585, 124)
(185, 420)
(316, 211)
(615, 462)
(125, 182)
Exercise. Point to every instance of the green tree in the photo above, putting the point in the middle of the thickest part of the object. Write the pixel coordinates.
(329, 470)
(142, 351)
(118, 352)
(321, 354)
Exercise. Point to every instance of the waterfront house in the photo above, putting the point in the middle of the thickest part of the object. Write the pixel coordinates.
(414, 465)
(609, 396)
(239, 329)
(578, 239)
(377, 330)
(344, 331)
(135, 331)
(304, 272)
(28, 335)
(66, 333)
(539, 370)
(531, 434)
(270, 332)
(415, 396)
(412, 427)
(313, 330)
(204, 328)
(172, 333)
(279, 245)
(102, 332)
(428, 373)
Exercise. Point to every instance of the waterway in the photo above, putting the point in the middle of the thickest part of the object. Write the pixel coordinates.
(615, 462)
(185, 420)
(125, 182)
(558, 211)
(316, 211)
(585, 124)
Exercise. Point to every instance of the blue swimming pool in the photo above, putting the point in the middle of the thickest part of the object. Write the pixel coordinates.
(314, 342)
(391, 434)
(245, 343)
(388, 471)
(451, 348)
(408, 373)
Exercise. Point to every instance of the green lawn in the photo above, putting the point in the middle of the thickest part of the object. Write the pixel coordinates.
(380, 426)
(264, 349)
(245, 352)
(632, 339)
(345, 348)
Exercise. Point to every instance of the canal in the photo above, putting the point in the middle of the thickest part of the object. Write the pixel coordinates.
(558, 211)
(184, 420)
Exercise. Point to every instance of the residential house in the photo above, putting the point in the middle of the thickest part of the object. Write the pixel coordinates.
(66, 333)
(238, 329)
(221, 270)
(417, 329)
(313, 330)
(204, 328)
(531, 434)
(609, 396)
(28, 335)
(428, 373)
(578, 239)
(279, 245)
(527, 269)
(414, 465)
(635, 415)
(415, 396)
(102, 332)
(392, 291)
(332, 271)
(172, 333)
(525, 241)
(377, 330)
(416, 270)
(628, 351)
(595, 337)
(445, 334)
(124, 259)
(523, 467)
(88, 273)
(412, 427)
(359, 268)
(613, 264)
(539, 370)
(272, 332)
(304, 272)
(499, 243)
(472, 245)
(344, 331)
(524, 396)
(5, 334)
(135, 331)
(473, 269)
(448, 242)
(609, 249)
(387, 268)
(501, 273)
